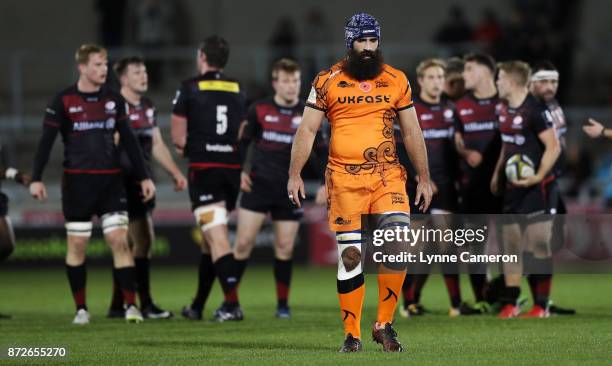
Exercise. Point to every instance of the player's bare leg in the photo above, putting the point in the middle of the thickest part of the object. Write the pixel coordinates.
(7, 243)
(538, 237)
(206, 279)
(285, 232)
(513, 271)
(116, 235)
(76, 270)
(213, 224)
(249, 225)
(141, 238)
(7, 238)
(415, 279)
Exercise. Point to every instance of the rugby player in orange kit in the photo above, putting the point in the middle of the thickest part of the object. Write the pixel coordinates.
(362, 97)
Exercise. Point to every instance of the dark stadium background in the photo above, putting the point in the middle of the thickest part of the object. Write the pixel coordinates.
(38, 39)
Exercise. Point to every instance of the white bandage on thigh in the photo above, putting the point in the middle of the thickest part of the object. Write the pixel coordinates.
(82, 229)
(349, 241)
(114, 220)
(210, 216)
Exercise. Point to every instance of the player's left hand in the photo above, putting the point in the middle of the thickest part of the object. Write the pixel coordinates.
(148, 190)
(424, 192)
(180, 183)
(295, 189)
(527, 182)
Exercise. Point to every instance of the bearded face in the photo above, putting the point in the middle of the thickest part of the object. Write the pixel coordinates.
(363, 64)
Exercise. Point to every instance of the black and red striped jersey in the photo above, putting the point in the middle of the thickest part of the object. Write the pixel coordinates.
(437, 122)
(560, 124)
(273, 128)
(214, 106)
(478, 125)
(143, 120)
(520, 128)
(87, 123)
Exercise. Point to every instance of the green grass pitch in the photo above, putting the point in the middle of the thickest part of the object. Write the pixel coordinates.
(42, 310)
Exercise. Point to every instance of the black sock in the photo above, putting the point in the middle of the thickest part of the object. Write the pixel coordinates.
(282, 275)
(126, 276)
(407, 289)
(542, 281)
(240, 268)
(529, 270)
(77, 277)
(225, 267)
(511, 295)
(453, 289)
(419, 283)
(542, 292)
(117, 299)
(143, 281)
(206, 279)
(479, 283)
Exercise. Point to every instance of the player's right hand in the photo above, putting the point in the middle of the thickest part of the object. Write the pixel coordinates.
(180, 183)
(424, 193)
(473, 158)
(38, 191)
(148, 190)
(295, 189)
(245, 182)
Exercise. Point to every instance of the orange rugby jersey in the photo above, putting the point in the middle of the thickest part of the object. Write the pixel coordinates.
(361, 116)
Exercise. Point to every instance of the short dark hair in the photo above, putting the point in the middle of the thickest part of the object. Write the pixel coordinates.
(543, 65)
(482, 59)
(216, 50)
(284, 64)
(121, 66)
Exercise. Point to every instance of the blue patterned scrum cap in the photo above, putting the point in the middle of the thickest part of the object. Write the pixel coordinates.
(359, 26)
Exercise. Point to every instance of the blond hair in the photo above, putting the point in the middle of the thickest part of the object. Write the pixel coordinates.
(81, 56)
(430, 62)
(519, 71)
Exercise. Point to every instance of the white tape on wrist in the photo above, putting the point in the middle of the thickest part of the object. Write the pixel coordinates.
(11, 173)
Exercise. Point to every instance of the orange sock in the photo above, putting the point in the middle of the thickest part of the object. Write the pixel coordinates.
(389, 287)
(350, 305)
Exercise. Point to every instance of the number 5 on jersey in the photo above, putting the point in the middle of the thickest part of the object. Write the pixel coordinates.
(221, 119)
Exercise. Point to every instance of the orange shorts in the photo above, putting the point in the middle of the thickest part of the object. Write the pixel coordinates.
(351, 195)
